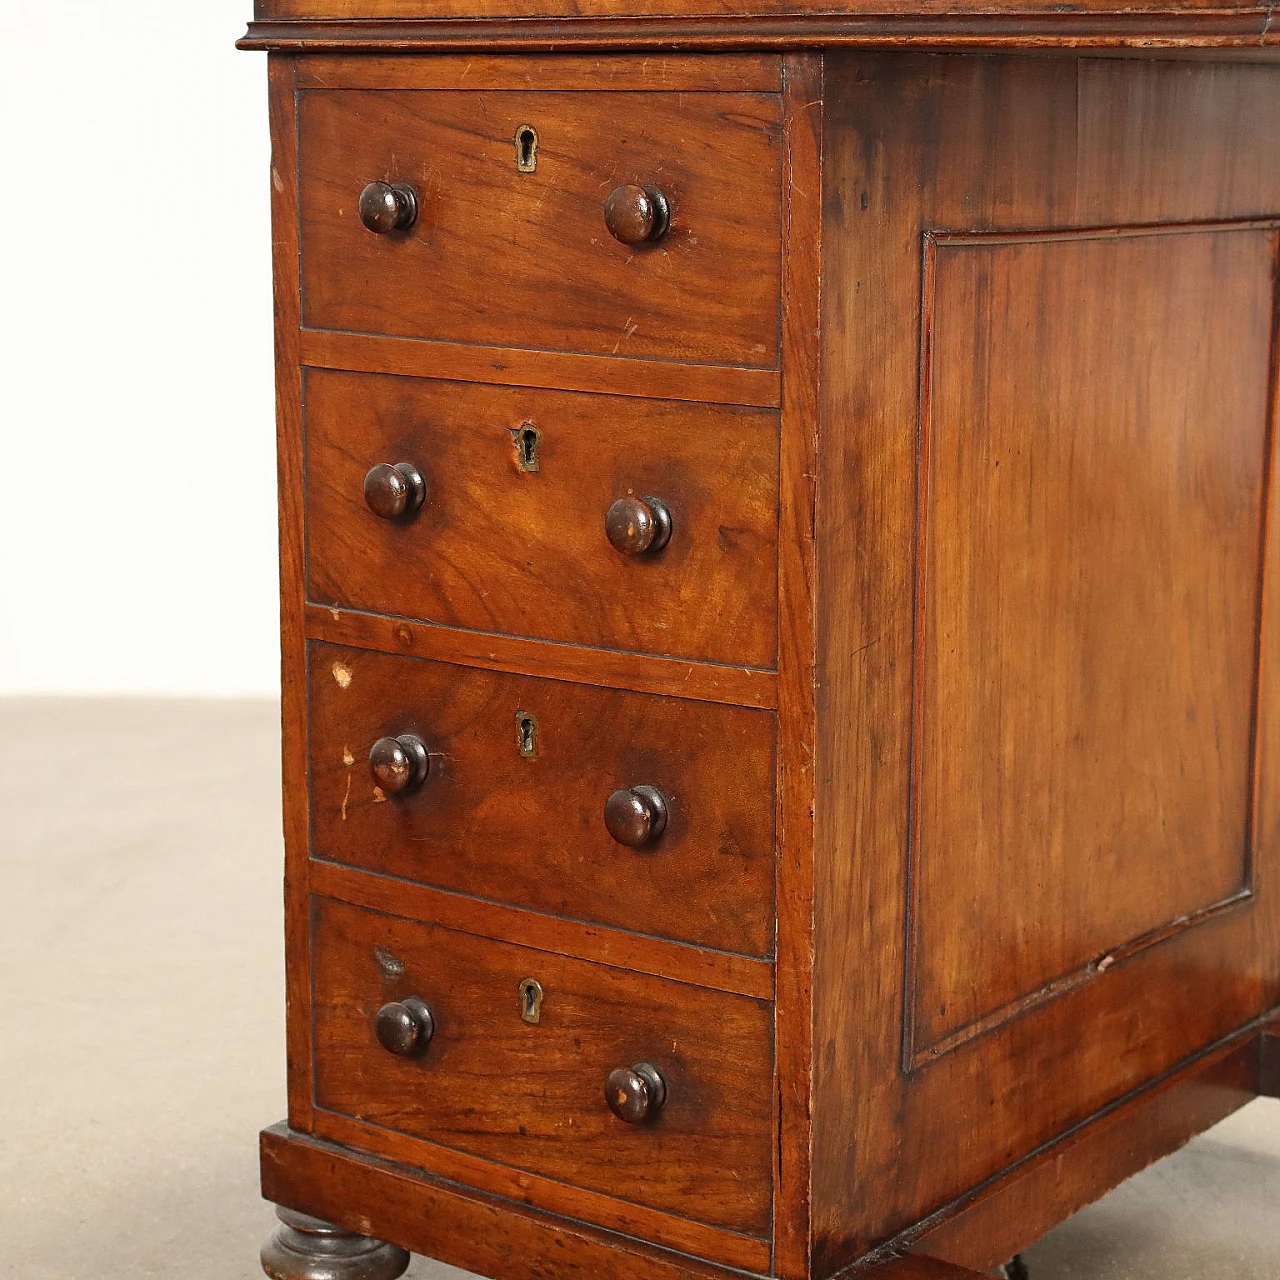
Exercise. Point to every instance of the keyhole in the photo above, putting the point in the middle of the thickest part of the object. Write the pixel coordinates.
(527, 438)
(527, 734)
(526, 149)
(531, 1000)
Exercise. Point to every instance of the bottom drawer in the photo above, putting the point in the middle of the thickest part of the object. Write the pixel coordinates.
(438, 1034)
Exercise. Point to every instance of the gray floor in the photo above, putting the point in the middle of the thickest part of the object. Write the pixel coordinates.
(140, 1023)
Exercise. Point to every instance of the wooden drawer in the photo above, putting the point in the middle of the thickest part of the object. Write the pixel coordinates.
(524, 259)
(495, 547)
(520, 771)
(531, 1094)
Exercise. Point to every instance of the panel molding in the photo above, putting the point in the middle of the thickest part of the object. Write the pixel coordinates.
(919, 1051)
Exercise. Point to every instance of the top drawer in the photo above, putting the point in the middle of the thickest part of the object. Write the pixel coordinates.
(524, 259)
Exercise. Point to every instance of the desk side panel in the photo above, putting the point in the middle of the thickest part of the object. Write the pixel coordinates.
(1044, 819)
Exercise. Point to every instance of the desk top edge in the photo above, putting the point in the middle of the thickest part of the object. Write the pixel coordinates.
(336, 26)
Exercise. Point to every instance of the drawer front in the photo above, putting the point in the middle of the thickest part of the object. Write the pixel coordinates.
(511, 535)
(524, 259)
(494, 1083)
(513, 805)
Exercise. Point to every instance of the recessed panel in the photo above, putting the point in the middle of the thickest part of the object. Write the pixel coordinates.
(1093, 475)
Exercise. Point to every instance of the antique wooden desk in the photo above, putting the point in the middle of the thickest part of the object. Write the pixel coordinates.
(780, 706)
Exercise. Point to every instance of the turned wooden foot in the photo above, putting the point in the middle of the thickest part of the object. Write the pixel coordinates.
(304, 1248)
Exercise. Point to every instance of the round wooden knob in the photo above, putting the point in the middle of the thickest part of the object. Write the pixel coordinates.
(637, 816)
(399, 764)
(388, 206)
(404, 1027)
(392, 490)
(638, 526)
(636, 214)
(635, 1094)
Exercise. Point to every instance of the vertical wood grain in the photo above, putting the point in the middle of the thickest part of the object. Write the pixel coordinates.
(802, 285)
(924, 147)
(293, 668)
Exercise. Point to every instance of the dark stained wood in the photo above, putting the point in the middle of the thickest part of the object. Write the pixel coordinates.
(540, 839)
(638, 526)
(399, 764)
(879, 24)
(500, 548)
(387, 207)
(992, 1225)
(466, 1228)
(612, 669)
(703, 966)
(405, 1027)
(393, 490)
(304, 1248)
(636, 214)
(971, 147)
(532, 1096)
(636, 816)
(524, 259)
(556, 370)
(635, 1094)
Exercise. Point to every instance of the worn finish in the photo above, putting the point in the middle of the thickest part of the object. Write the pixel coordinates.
(986, 1226)
(532, 1096)
(939, 25)
(1115, 544)
(1049, 639)
(493, 823)
(637, 214)
(500, 547)
(907, 566)
(524, 259)
(304, 1248)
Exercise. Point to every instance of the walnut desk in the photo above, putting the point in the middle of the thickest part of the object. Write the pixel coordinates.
(780, 691)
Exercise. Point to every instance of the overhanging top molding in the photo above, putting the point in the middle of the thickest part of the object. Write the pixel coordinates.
(559, 25)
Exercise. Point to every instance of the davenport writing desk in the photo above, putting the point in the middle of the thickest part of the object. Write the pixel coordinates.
(781, 719)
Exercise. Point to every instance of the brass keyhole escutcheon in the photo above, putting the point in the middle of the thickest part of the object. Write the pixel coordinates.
(526, 149)
(527, 735)
(531, 1001)
(527, 438)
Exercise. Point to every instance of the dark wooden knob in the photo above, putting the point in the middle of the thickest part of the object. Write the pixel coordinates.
(636, 214)
(388, 206)
(635, 1094)
(404, 1027)
(638, 526)
(399, 764)
(394, 489)
(637, 816)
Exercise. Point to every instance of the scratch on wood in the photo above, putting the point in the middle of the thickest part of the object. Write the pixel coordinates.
(348, 759)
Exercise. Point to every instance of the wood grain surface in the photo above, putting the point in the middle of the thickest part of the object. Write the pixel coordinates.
(500, 547)
(1151, 31)
(496, 824)
(797, 676)
(523, 259)
(1119, 585)
(532, 1096)
(1093, 475)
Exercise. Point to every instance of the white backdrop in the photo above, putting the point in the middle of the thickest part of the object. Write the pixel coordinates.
(137, 476)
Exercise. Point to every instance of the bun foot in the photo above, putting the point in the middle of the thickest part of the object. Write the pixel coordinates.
(304, 1248)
